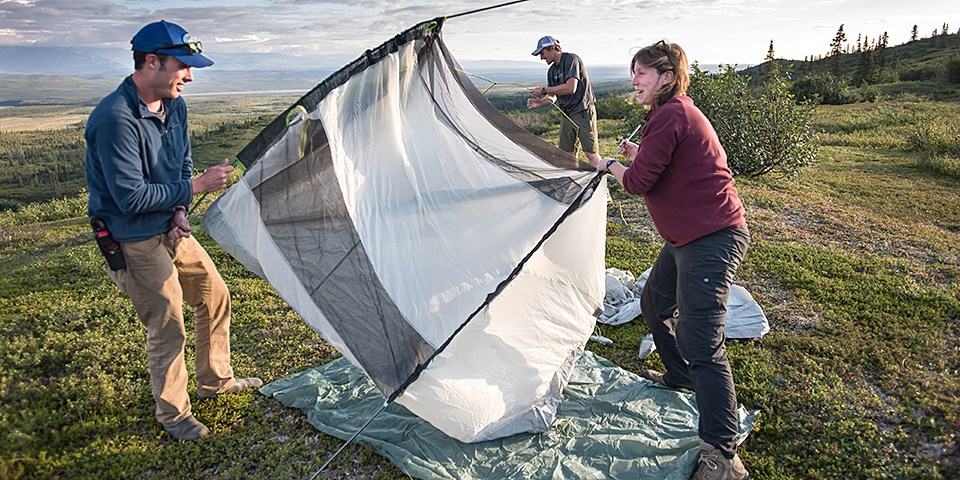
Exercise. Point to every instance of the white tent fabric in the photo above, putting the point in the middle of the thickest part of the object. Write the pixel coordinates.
(621, 304)
(452, 256)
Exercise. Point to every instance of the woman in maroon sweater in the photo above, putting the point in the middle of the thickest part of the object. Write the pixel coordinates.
(681, 170)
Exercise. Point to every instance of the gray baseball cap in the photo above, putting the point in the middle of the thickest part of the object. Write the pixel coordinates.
(545, 42)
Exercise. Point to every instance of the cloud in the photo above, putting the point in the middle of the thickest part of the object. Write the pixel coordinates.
(600, 31)
(242, 39)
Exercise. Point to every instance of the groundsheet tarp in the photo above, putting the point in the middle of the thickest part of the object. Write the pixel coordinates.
(612, 424)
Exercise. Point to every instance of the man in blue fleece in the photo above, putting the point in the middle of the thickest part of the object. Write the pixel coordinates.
(139, 176)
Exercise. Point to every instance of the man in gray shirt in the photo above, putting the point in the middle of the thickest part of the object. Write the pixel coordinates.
(569, 87)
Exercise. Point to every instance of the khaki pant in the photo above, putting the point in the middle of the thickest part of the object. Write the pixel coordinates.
(161, 274)
(583, 128)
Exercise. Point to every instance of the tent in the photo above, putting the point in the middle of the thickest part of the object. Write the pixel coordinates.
(452, 256)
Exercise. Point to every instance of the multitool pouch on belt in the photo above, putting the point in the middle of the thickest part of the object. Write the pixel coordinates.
(108, 246)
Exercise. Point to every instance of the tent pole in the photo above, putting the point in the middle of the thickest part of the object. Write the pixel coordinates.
(485, 9)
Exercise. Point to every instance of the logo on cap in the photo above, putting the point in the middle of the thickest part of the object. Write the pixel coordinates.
(167, 38)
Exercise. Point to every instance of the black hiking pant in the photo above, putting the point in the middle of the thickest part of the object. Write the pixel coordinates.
(684, 305)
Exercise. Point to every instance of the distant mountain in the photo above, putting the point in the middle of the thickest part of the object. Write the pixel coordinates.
(57, 73)
(62, 61)
(73, 61)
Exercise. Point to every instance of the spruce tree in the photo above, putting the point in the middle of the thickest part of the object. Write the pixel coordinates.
(914, 34)
(771, 59)
(865, 73)
(881, 51)
(836, 49)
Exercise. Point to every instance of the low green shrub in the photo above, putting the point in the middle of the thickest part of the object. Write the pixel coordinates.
(616, 106)
(952, 70)
(945, 165)
(534, 121)
(936, 138)
(823, 88)
(56, 209)
(920, 72)
(622, 110)
(939, 147)
(762, 129)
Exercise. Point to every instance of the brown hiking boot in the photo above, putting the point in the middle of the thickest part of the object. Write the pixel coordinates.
(187, 429)
(239, 385)
(714, 466)
(655, 377)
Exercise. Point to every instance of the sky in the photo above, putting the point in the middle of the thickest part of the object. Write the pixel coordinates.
(601, 32)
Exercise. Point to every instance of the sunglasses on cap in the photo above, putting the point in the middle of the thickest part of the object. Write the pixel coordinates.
(666, 50)
(194, 47)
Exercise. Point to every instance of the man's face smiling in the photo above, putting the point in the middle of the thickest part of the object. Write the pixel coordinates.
(170, 78)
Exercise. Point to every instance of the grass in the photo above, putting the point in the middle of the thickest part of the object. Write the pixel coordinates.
(856, 262)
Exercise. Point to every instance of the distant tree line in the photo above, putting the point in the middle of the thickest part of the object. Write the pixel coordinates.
(847, 72)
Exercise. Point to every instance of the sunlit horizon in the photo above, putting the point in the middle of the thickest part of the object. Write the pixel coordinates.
(601, 32)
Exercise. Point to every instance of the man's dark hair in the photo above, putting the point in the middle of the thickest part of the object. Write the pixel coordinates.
(140, 58)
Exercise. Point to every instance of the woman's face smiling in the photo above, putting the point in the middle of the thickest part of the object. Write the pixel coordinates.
(647, 81)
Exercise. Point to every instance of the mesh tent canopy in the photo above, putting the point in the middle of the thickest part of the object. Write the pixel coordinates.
(452, 256)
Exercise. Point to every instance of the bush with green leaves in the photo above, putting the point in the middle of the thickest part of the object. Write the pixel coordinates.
(615, 106)
(762, 129)
(952, 73)
(939, 147)
(623, 108)
(823, 88)
(535, 122)
(936, 138)
(921, 72)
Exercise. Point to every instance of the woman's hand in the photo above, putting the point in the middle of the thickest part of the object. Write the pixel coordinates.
(602, 165)
(629, 149)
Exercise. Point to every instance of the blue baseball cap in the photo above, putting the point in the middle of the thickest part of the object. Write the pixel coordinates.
(170, 39)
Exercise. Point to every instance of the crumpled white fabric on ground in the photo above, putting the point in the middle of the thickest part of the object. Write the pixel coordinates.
(621, 304)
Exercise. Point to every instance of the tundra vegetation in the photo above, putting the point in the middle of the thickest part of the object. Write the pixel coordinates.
(855, 260)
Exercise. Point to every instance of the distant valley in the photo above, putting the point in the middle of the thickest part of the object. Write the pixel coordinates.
(50, 74)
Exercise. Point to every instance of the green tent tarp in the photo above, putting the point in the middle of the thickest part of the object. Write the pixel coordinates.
(612, 424)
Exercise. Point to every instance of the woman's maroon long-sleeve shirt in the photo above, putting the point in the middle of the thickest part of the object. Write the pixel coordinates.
(681, 171)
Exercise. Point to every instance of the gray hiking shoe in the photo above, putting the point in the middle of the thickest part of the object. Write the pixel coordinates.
(187, 429)
(712, 465)
(239, 385)
(655, 377)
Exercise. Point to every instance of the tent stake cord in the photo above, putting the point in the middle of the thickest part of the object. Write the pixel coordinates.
(486, 8)
(348, 442)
